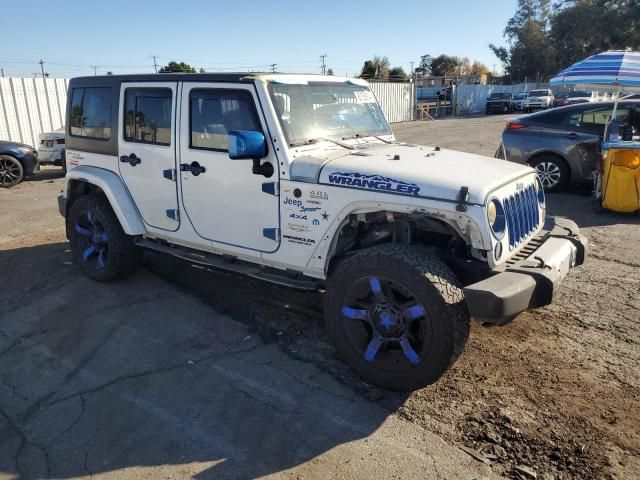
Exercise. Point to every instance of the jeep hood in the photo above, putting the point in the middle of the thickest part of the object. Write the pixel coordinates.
(420, 171)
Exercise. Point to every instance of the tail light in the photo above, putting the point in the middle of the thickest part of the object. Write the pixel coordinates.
(515, 126)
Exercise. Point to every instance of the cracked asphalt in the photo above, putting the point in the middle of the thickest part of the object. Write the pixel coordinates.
(179, 372)
(145, 379)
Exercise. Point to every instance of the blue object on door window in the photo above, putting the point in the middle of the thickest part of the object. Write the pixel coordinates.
(246, 144)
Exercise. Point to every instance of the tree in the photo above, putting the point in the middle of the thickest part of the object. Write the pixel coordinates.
(424, 67)
(531, 53)
(444, 65)
(397, 74)
(377, 68)
(479, 68)
(465, 66)
(174, 67)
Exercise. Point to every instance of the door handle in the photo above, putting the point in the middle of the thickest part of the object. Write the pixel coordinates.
(194, 168)
(131, 159)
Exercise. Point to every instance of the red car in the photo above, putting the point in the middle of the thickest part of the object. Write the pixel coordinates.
(560, 100)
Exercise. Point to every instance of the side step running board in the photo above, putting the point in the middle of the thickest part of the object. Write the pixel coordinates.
(219, 262)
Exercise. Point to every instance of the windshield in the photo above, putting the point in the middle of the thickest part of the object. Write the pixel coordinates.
(579, 93)
(520, 96)
(499, 95)
(538, 93)
(326, 109)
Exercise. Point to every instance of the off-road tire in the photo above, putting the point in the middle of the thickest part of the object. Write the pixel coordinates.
(14, 168)
(435, 286)
(123, 256)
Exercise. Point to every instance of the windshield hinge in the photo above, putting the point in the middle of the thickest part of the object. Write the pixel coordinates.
(463, 198)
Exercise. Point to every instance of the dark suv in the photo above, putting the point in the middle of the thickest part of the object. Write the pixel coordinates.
(563, 144)
(499, 102)
(17, 161)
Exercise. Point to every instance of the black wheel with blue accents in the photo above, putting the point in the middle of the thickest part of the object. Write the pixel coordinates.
(100, 247)
(396, 313)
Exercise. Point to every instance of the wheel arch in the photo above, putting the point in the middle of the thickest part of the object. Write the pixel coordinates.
(83, 180)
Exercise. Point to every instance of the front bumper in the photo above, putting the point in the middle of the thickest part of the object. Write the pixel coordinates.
(532, 281)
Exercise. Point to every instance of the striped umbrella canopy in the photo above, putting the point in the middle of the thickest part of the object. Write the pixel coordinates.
(616, 68)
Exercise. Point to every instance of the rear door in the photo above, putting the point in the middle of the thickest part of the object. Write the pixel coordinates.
(147, 150)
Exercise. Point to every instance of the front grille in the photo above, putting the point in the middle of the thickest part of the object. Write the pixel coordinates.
(523, 215)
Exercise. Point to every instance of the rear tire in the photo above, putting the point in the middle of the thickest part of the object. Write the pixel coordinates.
(100, 247)
(553, 171)
(11, 171)
(409, 331)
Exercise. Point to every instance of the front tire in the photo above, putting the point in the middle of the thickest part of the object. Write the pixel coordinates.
(11, 171)
(396, 313)
(100, 247)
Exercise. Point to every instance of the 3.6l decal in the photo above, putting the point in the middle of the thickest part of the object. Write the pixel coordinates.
(374, 182)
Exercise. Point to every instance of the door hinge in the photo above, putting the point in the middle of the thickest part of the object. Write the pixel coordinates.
(170, 174)
(272, 233)
(173, 214)
(272, 188)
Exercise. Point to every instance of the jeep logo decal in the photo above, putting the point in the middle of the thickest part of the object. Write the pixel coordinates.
(373, 182)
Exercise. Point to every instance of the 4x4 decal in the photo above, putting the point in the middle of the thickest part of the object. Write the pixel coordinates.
(373, 182)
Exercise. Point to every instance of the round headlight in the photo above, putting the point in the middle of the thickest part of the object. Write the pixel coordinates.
(496, 218)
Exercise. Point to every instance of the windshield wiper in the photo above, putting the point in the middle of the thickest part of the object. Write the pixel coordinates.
(311, 141)
(357, 135)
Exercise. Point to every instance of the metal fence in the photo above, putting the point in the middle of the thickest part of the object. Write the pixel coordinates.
(30, 106)
(397, 100)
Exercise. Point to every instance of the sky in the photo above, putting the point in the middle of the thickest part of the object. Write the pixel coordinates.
(73, 36)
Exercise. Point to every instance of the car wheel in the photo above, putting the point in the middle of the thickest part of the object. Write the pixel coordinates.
(11, 171)
(100, 247)
(553, 171)
(396, 313)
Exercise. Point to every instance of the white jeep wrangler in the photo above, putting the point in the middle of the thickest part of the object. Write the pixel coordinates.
(298, 180)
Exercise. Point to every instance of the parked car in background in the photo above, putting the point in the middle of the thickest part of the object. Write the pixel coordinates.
(444, 93)
(562, 144)
(51, 150)
(518, 100)
(17, 161)
(499, 102)
(559, 99)
(540, 99)
(581, 96)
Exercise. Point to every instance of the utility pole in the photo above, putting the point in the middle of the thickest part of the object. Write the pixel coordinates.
(155, 64)
(95, 70)
(273, 67)
(2, 72)
(412, 70)
(41, 62)
(324, 65)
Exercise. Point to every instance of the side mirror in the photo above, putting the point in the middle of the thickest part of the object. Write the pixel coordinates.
(246, 144)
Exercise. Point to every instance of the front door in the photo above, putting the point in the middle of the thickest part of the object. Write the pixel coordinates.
(147, 150)
(224, 201)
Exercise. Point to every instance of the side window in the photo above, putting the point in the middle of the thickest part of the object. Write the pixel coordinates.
(597, 117)
(214, 112)
(147, 115)
(91, 112)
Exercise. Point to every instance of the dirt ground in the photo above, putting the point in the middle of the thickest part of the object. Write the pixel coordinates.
(554, 394)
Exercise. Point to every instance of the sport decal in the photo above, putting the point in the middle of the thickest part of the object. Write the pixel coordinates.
(373, 182)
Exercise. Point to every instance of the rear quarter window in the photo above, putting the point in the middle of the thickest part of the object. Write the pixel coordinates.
(91, 112)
